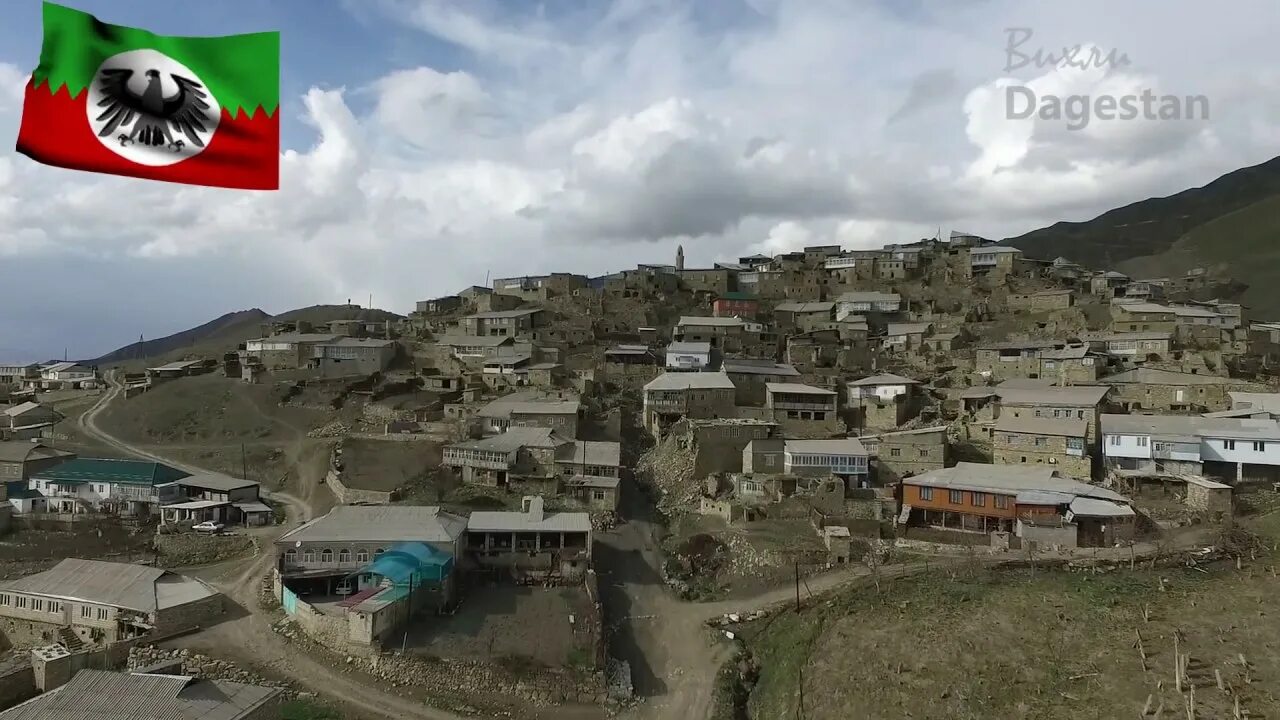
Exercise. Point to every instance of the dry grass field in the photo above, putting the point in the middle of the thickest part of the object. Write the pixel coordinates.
(1046, 644)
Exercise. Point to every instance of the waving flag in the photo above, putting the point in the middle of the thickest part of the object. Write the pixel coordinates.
(114, 99)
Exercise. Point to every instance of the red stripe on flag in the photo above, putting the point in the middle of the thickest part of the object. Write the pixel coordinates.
(244, 152)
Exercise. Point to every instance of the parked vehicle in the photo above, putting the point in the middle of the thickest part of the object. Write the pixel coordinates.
(208, 526)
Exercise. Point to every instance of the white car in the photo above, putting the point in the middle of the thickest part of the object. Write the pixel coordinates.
(208, 526)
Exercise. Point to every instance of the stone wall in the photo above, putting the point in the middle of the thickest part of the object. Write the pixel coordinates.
(201, 613)
(182, 549)
(17, 683)
(348, 496)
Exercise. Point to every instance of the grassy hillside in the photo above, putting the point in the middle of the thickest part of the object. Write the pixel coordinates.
(1150, 227)
(230, 323)
(1024, 644)
(1243, 245)
(225, 333)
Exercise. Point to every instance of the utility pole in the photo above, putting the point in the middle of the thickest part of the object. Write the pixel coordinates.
(797, 586)
(244, 463)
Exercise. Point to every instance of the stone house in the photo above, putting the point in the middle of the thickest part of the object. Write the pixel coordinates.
(1147, 388)
(1107, 284)
(906, 452)
(942, 342)
(1038, 440)
(18, 374)
(906, 337)
(750, 375)
(803, 316)
(530, 410)
(718, 443)
(1233, 449)
(992, 261)
(1079, 402)
(673, 396)
(763, 456)
(522, 454)
(724, 334)
(1073, 364)
(504, 323)
(97, 602)
(1137, 346)
(803, 409)
(353, 356)
(19, 460)
(1026, 359)
(531, 542)
(861, 303)
(1142, 317)
(1042, 301)
(287, 351)
(845, 458)
(438, 306)
(715, 281)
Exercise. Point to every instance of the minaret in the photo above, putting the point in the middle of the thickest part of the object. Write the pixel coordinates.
(679, 258)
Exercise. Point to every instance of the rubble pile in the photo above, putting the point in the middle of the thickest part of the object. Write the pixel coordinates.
(337, 428)
(604, 521)
(669, 468)
(201, 666)
(744, 559)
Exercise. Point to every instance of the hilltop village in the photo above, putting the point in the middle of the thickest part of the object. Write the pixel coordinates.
(518, 478)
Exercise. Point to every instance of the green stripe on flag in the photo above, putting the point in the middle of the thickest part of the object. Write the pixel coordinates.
(242, 71)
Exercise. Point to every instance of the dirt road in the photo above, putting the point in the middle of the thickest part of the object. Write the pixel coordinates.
(250, 636)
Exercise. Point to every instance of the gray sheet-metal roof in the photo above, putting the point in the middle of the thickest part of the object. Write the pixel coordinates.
(513, 439)
(697, 320)
(109, 583)
(1072, 395)
(1191, 426)
(528, 404)
(590, 452)
(691, 381)
(593, 481)
(473, 340)
(380, 523)
(834, 446)
(677, 347)
(528, 522)
(497, 314)
(883, 379)
(94, 694)
(628, 350)
(1156, 376)
(1093, 507)
(295, 338)
(505, 360)
(1266, 402)
(1009, 479)
(754, 366)
(359, 342)
(215, 481)
(178, 365)
(23, 451)
(872, 297)
(1071, 352)
(1122, 336)
(907, 328)
(805, 307)
(1042, 426)
(797, 389)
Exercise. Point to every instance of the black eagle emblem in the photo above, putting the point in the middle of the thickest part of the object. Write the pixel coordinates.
(155, 118)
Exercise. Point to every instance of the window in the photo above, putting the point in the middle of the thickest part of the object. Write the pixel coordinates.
(37, 604)
(1000, 502)
(86, 611)
(956, 497)
(102, 613)
(1113, 439)
(1259, 446)
(4, 599)
(326, 555)
(308, 556)
(1075, 443)
(597, 495)
(20, 602)
(362, 556)
(1228, 444)
(1142, 440)
(379, 551)
(1041, 442)
(895, 452)
(1079, 414)
(55, 606)
(290, 557)
(926, 493)
(924, 452)
(978, 499)
(344, 556)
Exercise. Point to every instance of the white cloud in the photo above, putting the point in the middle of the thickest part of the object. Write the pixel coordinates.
(594, 140)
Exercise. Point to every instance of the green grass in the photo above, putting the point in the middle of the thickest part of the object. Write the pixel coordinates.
(307, 710)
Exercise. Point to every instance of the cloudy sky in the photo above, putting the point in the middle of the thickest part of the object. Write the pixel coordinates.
(429, 144)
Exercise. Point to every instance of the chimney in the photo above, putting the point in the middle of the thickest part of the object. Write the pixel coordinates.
(531, 505)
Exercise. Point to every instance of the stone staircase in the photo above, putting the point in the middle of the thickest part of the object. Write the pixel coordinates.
(70, 640)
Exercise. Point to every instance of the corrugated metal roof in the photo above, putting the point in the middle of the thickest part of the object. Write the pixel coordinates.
(528, 522)
(380, 523)
(1042, 426)
(106, 470)
(103, 695)
(590, 452)
(754, 366)
(678, 347)
(885, 379)
(691, 381)
(694, 320)
(1156, 376)
(836, 446)
(21, 451)
(1191, 426)
(107, 583)
(1016, 479)
(215, 481)
(797, 389)
(1073, 395)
